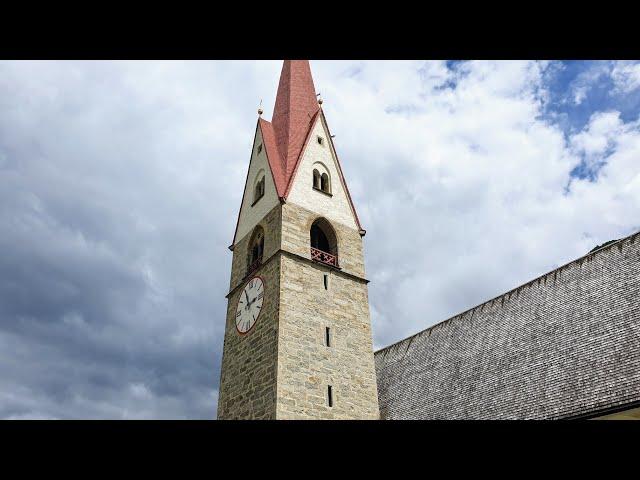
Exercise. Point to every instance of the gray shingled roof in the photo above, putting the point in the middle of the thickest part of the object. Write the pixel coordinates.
(565, 344)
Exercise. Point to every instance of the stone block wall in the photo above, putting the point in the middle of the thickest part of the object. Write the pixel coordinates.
(271, 225)
(296, 225)
(306, 366)
(249, 361)
(282, 367)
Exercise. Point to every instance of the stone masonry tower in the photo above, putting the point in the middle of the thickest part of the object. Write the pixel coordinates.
(298, 338)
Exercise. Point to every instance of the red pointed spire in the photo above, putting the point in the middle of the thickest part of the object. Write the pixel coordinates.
(295, 113)
(295, 108)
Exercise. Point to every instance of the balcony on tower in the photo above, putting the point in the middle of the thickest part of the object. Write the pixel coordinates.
(324, 245)
(324, 257)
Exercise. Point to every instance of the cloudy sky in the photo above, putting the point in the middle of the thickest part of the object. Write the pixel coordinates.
(120, 183)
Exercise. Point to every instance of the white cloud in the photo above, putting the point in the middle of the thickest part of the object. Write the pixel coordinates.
(626, 76)
(463, 196)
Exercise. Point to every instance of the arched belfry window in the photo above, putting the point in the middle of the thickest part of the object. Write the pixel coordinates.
(324, 183)
(255, 250)
(258, 189)
(324, 243)
(321, 179)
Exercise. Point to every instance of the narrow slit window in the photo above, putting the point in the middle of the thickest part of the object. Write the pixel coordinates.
(330, 395)
(325, 279)
(327, 336)
(320, 140)
(259, 148)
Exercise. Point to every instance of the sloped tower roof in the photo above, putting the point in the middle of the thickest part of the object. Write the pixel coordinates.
(294, 114)
(296, 106)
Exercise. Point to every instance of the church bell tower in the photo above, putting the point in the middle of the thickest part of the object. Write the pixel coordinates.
(298, 339)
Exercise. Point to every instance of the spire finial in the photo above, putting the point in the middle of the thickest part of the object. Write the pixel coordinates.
(319, 99)
(260, 111)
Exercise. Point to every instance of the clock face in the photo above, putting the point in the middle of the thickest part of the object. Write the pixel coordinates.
(250, 304)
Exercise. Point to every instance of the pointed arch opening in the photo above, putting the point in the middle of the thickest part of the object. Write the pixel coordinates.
(324, 242)
(255, 250)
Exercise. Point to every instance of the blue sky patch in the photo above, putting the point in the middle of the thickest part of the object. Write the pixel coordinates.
(577, 89)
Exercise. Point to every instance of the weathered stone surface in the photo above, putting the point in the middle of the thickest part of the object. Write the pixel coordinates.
(566, 344)
(249, 362)
(306, 366)
(296, 225)
(271, 226)
(282, 367)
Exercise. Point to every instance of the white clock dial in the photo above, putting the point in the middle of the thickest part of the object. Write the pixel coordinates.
(250, 304)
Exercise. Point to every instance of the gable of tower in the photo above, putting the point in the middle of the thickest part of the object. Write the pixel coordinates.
(290, 140)
(257, 200)
(319, 158)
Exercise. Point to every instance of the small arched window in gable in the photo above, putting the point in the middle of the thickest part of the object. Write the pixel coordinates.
(324, 183)
(258, 190)
(321, 179)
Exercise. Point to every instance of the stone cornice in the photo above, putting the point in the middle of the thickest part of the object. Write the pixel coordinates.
(280, 251)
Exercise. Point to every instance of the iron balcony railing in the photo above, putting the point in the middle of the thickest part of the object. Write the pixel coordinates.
(324, 257)
(254, 266)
